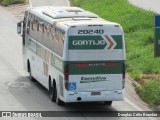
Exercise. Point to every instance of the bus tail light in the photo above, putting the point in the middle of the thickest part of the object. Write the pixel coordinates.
(110, 64)
(124, 71)
(66, 72)
(81, 64)
(123, 76)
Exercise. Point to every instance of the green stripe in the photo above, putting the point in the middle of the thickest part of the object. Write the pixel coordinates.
(86, 42)
(93, 61)
(57, 63)
(92, 42)
(118, 40)
(75, 70)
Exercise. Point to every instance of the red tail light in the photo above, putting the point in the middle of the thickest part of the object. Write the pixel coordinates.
(123, 76)
(124, 69)
(96, 64)
(66, 72)
(110, 64)
(82, 65)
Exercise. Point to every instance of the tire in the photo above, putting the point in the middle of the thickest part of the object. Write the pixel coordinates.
(30, 73)
(52, 92)
(108, 102)
(58, 101)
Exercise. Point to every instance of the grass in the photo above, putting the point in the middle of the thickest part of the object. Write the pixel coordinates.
(9, 2)
(139, 36)
(150, 92)
(138, 28)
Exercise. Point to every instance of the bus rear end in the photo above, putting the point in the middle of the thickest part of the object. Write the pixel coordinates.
(95, 68)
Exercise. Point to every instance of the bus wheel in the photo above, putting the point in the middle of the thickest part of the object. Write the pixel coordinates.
(58, 101)
(52, 92)
(30, 73)
(108, 102)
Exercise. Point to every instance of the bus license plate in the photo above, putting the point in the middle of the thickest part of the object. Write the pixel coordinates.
(95, 93)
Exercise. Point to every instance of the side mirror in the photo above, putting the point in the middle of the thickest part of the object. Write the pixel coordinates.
(20, 28)
(27, 30)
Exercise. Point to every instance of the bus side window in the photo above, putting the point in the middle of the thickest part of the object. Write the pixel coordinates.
(28, 24)
(50, 33)
(41, 26)
(62, 35)
(35, 24)
(46, 29)
(53, 34)
(31, 22)
(56, 34)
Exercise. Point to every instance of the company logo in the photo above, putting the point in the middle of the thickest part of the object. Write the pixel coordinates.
(93, 42)
(58, 64)
(92, 79)
(88, 42)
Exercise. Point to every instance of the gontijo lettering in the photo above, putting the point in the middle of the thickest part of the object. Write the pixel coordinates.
(88, 42)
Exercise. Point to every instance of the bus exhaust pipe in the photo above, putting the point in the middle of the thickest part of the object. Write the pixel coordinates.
(79, 99)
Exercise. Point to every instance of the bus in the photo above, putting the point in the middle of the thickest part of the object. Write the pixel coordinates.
(76, 55)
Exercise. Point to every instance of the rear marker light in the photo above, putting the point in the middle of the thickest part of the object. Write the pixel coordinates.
(66, 72)
(123, 76)
(110, 64)
(124, 71)
(96, 64)
(81, 65)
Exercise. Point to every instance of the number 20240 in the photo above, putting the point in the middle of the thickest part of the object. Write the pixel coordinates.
(100, 31)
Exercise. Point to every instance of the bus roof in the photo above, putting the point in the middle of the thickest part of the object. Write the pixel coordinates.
(63, 12)
(67, 15)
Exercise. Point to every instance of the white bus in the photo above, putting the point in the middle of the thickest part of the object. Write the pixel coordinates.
(75, 54)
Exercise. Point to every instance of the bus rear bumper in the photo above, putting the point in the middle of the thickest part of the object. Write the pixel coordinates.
(116, 95)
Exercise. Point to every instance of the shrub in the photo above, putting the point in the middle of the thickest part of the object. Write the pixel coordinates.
(150, 92)
(9, 2)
